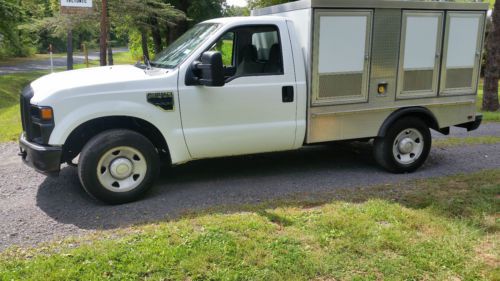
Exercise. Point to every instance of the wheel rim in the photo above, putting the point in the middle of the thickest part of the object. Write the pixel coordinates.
(408, 146)
(121, 169)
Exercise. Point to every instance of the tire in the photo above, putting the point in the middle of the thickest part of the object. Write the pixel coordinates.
(405, 147)
(118, 166)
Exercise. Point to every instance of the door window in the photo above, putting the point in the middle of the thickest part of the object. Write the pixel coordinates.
(341, 60)
(263, 42)
(420, 54)
(461, 53)
(225, 45)
(250, 51)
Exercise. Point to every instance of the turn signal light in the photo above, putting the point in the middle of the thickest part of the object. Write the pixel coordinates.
(46, 113)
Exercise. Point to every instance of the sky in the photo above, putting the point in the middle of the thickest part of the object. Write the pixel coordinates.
(239, 3)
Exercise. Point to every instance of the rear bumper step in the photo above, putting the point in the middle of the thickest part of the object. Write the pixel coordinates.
(472, 125)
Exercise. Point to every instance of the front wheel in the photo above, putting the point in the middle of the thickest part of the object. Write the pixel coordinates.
(118, 166)
(405, 146)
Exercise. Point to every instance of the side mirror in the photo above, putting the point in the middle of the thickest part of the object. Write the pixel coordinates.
(211, 69)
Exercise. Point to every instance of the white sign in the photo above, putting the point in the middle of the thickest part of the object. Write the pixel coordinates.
(77, 3)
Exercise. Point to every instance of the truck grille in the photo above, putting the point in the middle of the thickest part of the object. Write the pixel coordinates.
(25, 103)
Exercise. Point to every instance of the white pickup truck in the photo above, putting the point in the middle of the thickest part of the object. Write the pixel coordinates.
(288, 76)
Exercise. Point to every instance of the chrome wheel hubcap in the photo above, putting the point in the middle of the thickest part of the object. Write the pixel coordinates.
(408, 146)
(121, 169)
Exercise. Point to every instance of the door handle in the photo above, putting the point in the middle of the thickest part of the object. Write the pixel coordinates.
(287, 94)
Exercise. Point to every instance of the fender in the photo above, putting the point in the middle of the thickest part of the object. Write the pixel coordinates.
(421, 112)
(168, 123)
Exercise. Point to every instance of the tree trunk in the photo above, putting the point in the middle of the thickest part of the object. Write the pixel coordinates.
(69, 50)
(167, 35)
(492, 69)
(155, 32)
(104, 33)
(110, 55)
(108, 32)
(176, 29)
(144, 44)
(170, 33)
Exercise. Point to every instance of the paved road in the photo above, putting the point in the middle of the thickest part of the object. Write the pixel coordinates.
(34, 208)
(45, 64)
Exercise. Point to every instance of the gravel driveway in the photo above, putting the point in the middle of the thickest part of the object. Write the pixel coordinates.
(35, 209)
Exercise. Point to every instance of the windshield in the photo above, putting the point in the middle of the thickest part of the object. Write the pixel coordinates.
(184, 46)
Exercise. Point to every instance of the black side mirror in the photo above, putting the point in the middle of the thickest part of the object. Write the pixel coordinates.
(211, 69)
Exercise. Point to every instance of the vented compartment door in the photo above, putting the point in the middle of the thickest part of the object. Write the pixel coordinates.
(420, 54)
(341, 56)
(462, 53)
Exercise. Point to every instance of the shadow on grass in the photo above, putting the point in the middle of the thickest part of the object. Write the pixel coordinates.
(303, 178)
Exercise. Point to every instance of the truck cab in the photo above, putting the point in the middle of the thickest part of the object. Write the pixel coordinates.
(254, 109)
(180, 112)
(297, 74)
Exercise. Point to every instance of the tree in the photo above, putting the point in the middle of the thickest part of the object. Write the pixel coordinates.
(492, 69)
(144, 15)
(235, 11)
(11, 16)
(197, 11)
(253, 4)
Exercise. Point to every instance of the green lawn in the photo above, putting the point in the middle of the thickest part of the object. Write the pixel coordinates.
(119, 58)
(440, 229)
(10, 88)
(226, 50)
(454, 141)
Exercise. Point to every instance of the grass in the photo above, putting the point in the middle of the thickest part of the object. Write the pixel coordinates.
(226, 49)
(439, 229)
(10, 88)
(123, 58)
(118, 58)
(454, 141)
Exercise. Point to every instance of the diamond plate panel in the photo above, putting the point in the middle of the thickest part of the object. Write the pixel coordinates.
(418, 80)
(459, 77)
(340, 85)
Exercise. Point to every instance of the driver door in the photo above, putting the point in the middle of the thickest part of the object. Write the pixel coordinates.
(255, 111)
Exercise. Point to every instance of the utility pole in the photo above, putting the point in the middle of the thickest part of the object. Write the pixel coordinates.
(104, 32)
(72, 9)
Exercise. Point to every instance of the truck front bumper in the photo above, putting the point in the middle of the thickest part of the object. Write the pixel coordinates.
(44, 159)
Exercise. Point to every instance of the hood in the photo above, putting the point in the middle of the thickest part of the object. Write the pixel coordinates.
(96, 77)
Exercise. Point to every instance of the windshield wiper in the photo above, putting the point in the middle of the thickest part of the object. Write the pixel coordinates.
(147, 63)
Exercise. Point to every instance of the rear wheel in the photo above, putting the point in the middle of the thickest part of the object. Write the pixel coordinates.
(118, 166)
(405, 146)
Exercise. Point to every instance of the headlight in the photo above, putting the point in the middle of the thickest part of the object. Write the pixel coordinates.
(42, 114)
(42, 123)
